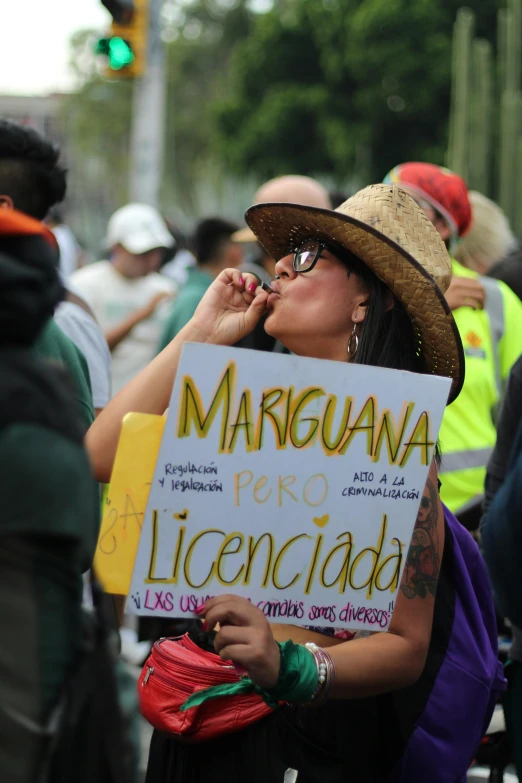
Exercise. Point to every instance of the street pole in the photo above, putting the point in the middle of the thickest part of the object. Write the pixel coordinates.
(148, 117)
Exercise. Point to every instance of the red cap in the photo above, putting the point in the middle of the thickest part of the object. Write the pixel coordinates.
(442, 188)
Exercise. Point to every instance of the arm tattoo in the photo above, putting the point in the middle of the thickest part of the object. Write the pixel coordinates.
(423, 561)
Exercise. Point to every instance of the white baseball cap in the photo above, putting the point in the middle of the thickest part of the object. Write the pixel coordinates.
(138, 228)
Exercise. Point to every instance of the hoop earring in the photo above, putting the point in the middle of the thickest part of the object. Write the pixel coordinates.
(353, 337)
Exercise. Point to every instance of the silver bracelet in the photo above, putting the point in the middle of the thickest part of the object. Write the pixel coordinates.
(325, 672)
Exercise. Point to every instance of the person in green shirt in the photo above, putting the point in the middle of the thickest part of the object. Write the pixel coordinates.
(32, 181)
(214, 250)
(52, 344)
(50, 512)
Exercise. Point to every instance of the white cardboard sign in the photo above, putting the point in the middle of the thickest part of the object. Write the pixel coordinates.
(293, 482)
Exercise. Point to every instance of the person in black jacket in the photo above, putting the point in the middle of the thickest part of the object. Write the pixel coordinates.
(502, 537)
(502, 540)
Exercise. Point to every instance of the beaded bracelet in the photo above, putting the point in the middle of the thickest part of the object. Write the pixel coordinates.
(325, 672)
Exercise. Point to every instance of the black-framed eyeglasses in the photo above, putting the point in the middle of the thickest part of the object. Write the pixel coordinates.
(307, 255)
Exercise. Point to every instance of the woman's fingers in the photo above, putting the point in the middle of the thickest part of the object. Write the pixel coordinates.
(246, 282)
(229, 599)
(256, 310)
(233, 277)
(251, 283)
(231, 307)
(252, 648)
(230, 610)
(231, 635)
(244, 637)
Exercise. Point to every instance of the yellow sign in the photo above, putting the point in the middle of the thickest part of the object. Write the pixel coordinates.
(126, 500)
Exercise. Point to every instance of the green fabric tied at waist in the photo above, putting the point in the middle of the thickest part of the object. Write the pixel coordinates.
(298, 679)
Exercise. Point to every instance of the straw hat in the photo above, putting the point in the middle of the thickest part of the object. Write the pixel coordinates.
(385, 228)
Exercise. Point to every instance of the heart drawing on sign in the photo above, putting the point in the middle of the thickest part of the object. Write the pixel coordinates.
(182, 515)
(322, 521)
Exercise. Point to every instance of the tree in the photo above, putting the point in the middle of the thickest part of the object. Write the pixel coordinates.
(197, 73)
(97, 116)
(341, 86)
(340, 89)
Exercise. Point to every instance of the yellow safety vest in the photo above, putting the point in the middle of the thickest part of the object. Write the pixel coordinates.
(492, 340)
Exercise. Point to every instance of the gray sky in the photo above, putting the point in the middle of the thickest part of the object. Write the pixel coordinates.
(34, 37)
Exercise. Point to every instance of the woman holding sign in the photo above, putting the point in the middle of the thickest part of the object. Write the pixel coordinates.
(364, 284)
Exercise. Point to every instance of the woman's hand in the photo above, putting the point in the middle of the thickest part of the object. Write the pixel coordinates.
(231, 308)
(225, 314)
(244, 637)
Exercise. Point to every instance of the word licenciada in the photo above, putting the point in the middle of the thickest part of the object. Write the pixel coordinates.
(229, 559)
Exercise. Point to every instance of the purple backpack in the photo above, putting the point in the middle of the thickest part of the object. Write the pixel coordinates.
(463, 674)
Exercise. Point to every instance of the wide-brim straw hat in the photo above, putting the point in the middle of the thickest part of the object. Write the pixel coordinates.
(384, 227)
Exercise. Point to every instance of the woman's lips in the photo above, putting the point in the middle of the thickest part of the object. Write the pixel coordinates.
(274, 285)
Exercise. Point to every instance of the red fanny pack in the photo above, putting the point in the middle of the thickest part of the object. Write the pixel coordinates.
(177, 668)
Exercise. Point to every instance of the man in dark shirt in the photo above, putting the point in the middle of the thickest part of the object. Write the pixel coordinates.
(509, 418)
(502, 540)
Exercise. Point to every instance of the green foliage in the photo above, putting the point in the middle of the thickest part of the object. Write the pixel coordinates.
(97, 117)
(197, 66)
(485, 144)
(336, 85)
(341, 89)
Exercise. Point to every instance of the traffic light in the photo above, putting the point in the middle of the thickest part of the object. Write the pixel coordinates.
(125, 46)
(120, 10)
(118, 51)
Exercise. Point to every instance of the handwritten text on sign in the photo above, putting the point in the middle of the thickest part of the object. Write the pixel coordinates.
(293, 482)
(126, 500)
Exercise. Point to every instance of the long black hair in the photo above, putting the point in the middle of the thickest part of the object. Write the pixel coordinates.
(387, 337)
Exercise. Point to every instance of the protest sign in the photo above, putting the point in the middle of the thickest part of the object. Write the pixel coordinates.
(126, 500)
(293, 482)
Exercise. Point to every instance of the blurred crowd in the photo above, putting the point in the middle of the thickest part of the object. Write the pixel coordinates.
(103, 322)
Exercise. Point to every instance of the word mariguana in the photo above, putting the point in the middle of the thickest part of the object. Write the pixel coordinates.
(283, 412)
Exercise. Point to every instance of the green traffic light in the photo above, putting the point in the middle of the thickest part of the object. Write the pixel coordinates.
(118, 51)
(120, 54)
